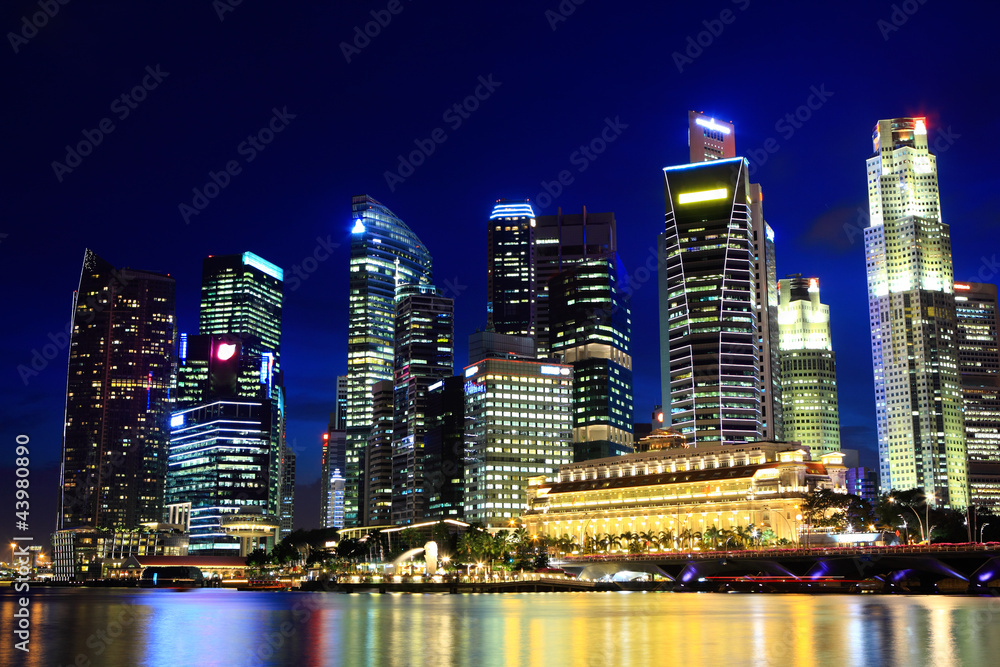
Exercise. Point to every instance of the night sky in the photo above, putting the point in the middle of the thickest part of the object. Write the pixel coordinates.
(550, 77)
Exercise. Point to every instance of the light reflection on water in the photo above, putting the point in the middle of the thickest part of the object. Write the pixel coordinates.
(222, 627)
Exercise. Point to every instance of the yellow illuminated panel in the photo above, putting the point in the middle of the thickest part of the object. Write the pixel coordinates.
(702, 195)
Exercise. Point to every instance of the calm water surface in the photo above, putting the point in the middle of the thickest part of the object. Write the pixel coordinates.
(203, 627)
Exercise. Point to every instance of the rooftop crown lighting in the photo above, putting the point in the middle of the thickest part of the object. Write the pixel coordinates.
(711, 124)
(702, 195)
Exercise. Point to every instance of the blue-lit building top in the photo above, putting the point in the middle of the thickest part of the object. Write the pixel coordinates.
(511, 286)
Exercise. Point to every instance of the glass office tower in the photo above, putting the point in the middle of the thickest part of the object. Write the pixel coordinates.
(710, 368)
(590, 328)
(511, 287)
(385, 253)
(115, 433)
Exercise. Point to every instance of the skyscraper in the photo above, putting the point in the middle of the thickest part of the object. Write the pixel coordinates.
(241, 295)
(332, 478)
(287, 511)
(766, 298)
(338, 418)
(518, 426)
(978, 315)
(911, 303)
(808, 367)
(223, 456)
(511, 286)
(227, 447)
(376, 507)
(710, 369)
(590, 328)
(561, 241)
(424, 355)
(385, 253)
(710, 139)
(121, 359)
(444, 448)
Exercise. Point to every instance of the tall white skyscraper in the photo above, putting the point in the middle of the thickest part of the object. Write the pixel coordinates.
(911, 303)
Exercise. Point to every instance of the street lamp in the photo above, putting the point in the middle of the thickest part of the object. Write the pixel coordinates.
(919, 522)
(981, 532)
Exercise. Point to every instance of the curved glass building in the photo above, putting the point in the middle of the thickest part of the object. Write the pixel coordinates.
(385, 253)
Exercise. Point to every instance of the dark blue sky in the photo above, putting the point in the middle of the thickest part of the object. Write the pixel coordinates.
(554, 82)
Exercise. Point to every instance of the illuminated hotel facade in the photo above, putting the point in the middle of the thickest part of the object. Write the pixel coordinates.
(808, 367)
(385, 253)
(911, 303)
(978, 313)
(683, 491)
(518, 426)
(709, 354)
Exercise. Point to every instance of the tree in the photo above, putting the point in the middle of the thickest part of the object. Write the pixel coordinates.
(257, 560)
(712, 536)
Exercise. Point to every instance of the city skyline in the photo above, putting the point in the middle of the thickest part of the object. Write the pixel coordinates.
(294, 186)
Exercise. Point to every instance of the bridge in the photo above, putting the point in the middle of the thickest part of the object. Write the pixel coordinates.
(925, 568)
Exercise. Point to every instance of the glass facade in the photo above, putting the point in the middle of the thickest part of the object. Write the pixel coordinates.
(377, 459)
(590, 328)
(384, 254)
(561, 241)
(444, 448)
(511, 287)
(978, 313)
(911, 304)
(241, 295)
(121, 370)
(222, 457)
(709, 354)
(425, 354)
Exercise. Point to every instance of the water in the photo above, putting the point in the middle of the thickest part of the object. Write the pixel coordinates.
(203, 627)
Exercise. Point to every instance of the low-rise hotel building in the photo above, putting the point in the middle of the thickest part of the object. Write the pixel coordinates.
(757, 484)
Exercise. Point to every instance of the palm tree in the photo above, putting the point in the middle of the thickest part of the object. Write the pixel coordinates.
(666, 539)
(648, 537)
(712, 536)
